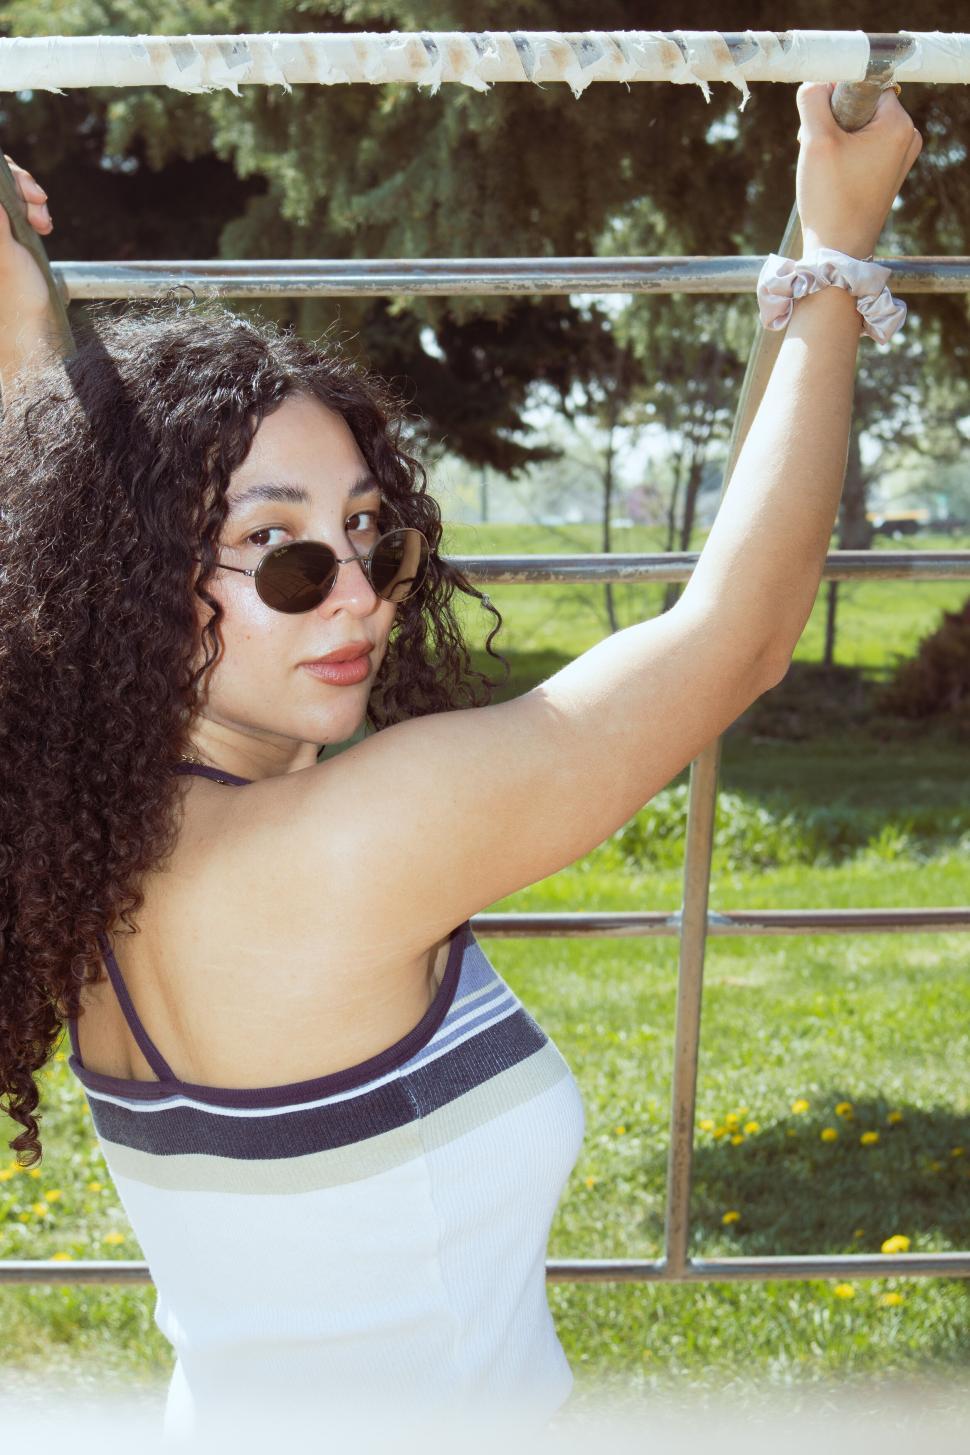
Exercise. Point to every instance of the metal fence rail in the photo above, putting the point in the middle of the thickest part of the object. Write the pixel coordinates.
(447, 277)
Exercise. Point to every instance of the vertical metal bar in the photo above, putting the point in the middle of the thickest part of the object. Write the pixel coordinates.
(702, 801)
(701, 808)
(702, 798)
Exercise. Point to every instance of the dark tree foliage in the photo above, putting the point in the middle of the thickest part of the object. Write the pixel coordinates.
(390, 171)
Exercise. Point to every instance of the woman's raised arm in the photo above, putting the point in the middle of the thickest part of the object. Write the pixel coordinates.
(432, 820)
(761, 565)
(27, 332)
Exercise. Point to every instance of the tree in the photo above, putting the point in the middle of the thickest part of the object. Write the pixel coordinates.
(389, 171)
(692, 353)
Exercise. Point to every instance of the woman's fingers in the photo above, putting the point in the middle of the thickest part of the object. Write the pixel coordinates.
(846, 182)
(33, 196)
(30, 188)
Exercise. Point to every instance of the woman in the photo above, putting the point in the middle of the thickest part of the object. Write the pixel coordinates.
(340, 1139)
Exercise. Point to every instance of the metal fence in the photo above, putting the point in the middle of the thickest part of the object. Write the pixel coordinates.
(695, 922)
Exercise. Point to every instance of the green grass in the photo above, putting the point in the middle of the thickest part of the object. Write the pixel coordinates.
(877, 620)
(879, 1021)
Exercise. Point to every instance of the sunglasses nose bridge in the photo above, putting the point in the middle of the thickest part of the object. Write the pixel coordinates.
(364, 563)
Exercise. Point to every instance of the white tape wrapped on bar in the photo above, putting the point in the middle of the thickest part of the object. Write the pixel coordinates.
(199, 63)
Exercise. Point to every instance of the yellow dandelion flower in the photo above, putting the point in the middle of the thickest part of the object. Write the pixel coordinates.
(731, 1120)
(113, 1238)
(829, 1134)
(591, 1181)
(736, 1140)
(620, 1131)
(869, 1139)
(94, 1187)
(799, 1105)
(40, 1209)
(844, 1290)
(898, 1243)
(24, 1217)
(34, 1172)
(706, 1125)
(731, 1217)
(54, 1194)
(719, 1132)
(859, 1233)
(957, 1151)
(894, 1118)
(843, 1109)
(751, 1128)
(891, 1300)
(6, 1174)
(61, 1257)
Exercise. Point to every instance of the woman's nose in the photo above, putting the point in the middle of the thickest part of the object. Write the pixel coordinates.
(351, 589)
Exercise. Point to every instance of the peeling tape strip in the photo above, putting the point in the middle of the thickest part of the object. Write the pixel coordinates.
(936, 55)
(200, 63)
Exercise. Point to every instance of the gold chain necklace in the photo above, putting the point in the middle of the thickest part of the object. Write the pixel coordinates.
(191, 758)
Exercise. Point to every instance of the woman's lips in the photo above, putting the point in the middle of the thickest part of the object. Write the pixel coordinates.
(340, 674)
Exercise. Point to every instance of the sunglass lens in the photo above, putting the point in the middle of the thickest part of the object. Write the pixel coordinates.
(296, 577)
(399, 563)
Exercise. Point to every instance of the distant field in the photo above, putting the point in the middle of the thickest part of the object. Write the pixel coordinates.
(877, 620)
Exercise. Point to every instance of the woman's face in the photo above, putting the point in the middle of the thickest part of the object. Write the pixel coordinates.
(260, 699)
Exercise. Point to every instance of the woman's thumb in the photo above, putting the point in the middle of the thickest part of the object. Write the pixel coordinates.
(814, 101)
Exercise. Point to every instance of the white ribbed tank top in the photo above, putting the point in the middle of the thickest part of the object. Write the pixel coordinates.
(373, 1239)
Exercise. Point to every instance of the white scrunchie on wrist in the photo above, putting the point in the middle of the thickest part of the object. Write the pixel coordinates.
(782, 281)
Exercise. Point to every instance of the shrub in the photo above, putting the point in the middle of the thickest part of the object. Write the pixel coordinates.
(754, 835)
(936, 681)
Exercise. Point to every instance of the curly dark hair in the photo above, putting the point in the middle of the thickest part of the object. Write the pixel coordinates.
(113, 476)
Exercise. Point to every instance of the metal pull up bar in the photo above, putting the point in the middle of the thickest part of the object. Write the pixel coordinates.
(201, 62)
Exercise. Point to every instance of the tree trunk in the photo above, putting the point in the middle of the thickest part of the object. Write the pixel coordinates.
(690, 500)
(607, 510)
(694, 475)
(831, 606)
(855, 531)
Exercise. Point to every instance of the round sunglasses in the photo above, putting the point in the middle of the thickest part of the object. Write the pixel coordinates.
(299, 575)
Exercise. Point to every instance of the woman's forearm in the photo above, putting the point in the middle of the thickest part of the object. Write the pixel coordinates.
(25, 344)
(760, 568)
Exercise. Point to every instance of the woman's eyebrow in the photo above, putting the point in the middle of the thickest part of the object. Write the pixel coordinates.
(284, 494)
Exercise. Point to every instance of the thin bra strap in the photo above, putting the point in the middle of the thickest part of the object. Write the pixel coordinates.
(219, 775)
(149, 1050)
